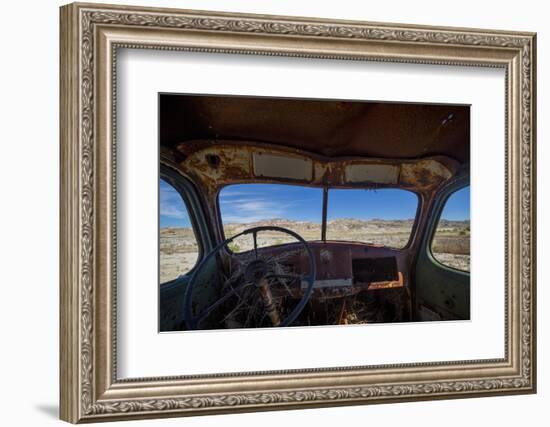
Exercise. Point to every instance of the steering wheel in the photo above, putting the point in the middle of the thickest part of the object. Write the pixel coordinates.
(256, 273)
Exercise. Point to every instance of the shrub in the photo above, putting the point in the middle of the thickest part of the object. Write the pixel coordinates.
(234, 247)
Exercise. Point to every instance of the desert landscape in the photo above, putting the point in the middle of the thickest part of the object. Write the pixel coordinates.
(451, 245)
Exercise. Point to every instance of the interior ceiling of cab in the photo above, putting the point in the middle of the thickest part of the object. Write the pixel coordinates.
(325, 127)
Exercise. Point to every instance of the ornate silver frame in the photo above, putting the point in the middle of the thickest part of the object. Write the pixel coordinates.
(90, 36)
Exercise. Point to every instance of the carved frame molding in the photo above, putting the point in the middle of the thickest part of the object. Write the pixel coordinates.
(90, 36)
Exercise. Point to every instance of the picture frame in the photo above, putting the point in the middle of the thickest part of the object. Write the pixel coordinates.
(91, 35)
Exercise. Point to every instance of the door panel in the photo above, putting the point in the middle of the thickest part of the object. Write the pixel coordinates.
(172, 294)
(184, 239)
(443, 291)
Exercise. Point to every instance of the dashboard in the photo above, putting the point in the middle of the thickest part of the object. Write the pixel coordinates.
(344, 268)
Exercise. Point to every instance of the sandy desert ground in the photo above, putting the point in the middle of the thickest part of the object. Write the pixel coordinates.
(451, 245)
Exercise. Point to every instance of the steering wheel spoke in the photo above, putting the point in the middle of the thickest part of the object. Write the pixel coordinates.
(255, 238)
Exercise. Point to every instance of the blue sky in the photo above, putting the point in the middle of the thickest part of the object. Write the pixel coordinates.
(458, 205)
(370, 204)
(245, 203)
(173, 212)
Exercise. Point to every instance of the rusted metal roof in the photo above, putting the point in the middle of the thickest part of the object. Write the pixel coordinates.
(215, 165)
(325, 127)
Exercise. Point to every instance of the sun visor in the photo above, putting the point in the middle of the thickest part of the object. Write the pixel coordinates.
(380, 174)
(277, 166)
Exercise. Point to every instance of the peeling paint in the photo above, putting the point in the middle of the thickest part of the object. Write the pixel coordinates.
(234, 163)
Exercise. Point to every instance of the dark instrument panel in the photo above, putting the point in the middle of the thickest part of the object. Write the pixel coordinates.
(370, 270)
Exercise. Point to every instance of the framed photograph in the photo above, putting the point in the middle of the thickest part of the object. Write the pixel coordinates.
(265, 212)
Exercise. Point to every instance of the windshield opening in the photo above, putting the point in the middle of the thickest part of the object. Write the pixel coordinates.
(297, 208)
(382, 216)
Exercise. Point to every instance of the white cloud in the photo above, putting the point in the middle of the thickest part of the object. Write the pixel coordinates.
(171, 203)
(270, 202)
(245, 210)
(173, 211)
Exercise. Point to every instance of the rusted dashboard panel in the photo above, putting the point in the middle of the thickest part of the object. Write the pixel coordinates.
(345, 269)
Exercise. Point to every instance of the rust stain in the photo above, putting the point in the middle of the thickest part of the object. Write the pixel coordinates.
(399, 283)
(218, 163)
(424, 174)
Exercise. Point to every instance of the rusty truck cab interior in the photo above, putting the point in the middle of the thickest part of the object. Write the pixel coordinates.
(225, 156)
